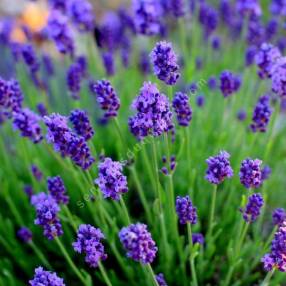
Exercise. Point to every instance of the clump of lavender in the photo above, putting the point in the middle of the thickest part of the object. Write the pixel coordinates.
(57, 189)
(261, 114)
(276, 258)
(278, 216)
(106, 97)
(81, 123)
(229, 83)
(89, 243)
(47, 215)
(24, 234)
(81, 14)
(250, 173)
(161, 279)
(165, 63)
(248, 7)
(111, 180)
(182, 108)
(266, 56)
(186, 212)
(27, 122)
(38, 175)
(48, 278)
(218, 168)
(253, 207)
(198, 238)
(278, 76)
(138, 243)
(154, 116)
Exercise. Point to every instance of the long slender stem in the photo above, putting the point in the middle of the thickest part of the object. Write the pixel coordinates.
(156, 174)
(70, 217)
(69, 261)
(40, 255)
(104, 274)
(125, 211)
(266, 280)
(212, 211)
(192, 262)
(149, 267)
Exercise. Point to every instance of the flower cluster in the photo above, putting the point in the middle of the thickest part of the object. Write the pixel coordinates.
(38, 175)
(24, 234)
(249, 7)
(229, 83)
(153, 113)
(111, 180)
(218, 168)
(57, 189)
(198, 238)
(186, 212)
(161, 279)
(278, 76)
(47, 215)
(250, 173)
(43, 277)
(165, 63)
(138, 242)
(182, 108)
(89, 242)
(253, 207)
(279, 216)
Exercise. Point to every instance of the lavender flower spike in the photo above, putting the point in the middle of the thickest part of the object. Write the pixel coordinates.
(250, 173)
(111, 180)
(89, 242)
(186, 212)
(165, 63)
(24, 234)
(253, 207)
(182, 108)
(46, 278)
(278, 216)
(138, 243)
(229, 83)
(57, 189)
(161, 279)
(278, 76)
(218, 168)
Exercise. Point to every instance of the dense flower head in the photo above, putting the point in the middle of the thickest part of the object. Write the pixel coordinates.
(186, 212)
(278, 76)
(218, 168)
(198, 238)
(253, 207)
(138, 242)
(255, 32)
(73, 78)
(271, 29)
(182, 108)
(229, 83)
(176, 7)
(24, 234)
(47, 215)
(208, 17)
(278, 216)
(89, 242)
(250, 173)
(106, 97)
(147, 14)
(81, 13)
(27, 122)
(278, 7)
(165, 63)
(261, 114)
(277, 257)
(58, 30)
(46, 278)
(266, 56)
(37, 173)
(161, 279)
(249, 7)
(30, 57)
(57, 189)
(154, 116)
(250, 55)
(81, 123)
(111, 180)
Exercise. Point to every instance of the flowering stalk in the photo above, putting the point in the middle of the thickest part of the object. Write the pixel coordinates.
(104, 274)
(125, 211)
(212, 211)
(192, 262)
(267, 279)
(40, 254)
(155, 282)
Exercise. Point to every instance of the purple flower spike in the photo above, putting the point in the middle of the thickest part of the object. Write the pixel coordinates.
(186, 212)
(278, 216)
(24, 234)
(278, 75)
(28, 191)
(38, 175)
(30, 58)
(200, 100)
(73, 79)
(108, 63)
(81, 124)
(57, 190)
(27, 122)
(177, 8)
(144, 63)
(265, 173)
(165, 63)
(241, 115)
(249, 7)
(229, 83)
(261, 114)
(138, 242)
(182, 108)
(250, 173)
(47, 215)
(218, 168)
(106, 97)
(277, 257)
(161, 279)
(154, 116)
(46, 278)
(250, 55)
(253, 207)
(265, 58)
(198, 238)
(89, 243)
(111, 180)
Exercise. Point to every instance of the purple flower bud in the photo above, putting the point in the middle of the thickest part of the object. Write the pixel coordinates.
(144, 63)
(58, 4)
(229, 83)
(200, 100)
(186, 212)
(28, 191)
(57, 189)
(278, 216)
(241, 115)
(177, 8)
(42, 109)
(161, 280)
(89, 243)
(253, 207)
(250, 55)
(250, 173)
(248, 7)
(165, 63)
(165, 171)
(138, 243)
(278, 75)
(218, 168)
(38, 175)
(73, 79)
(212, 83)
(43, 277)
(111, 180)
(265, 173)
(30, 58)
(208, 17)
(182, 108)
(198, 238)
(108, 63)
(24, 234)
(216, 43)
(48, 64)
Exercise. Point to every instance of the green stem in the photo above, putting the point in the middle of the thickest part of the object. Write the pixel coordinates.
(125, 211)
(156, 174)
(266, 280)
(40, 255)
(70, 217)
(212, 211)
(192, 262)
(104, 274)
(152, 274)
